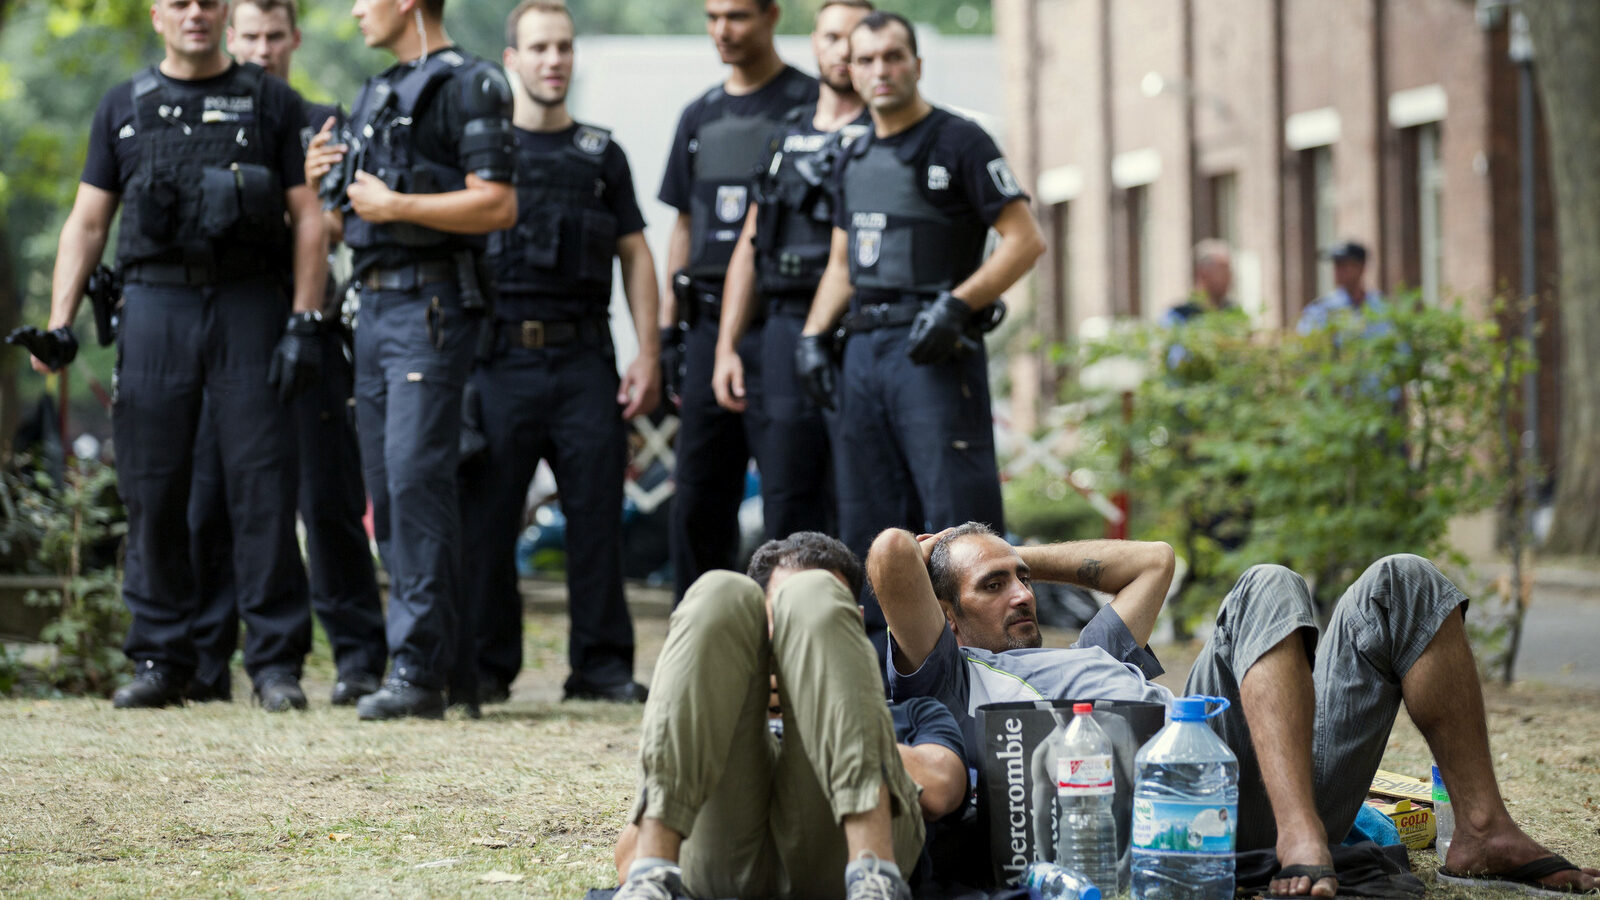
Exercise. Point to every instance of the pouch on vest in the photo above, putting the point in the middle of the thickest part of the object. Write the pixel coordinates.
(261, 206)
(156, 210)
(599, 232)
(541, 237)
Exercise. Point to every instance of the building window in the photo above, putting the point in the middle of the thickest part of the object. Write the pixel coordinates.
(1318, 198)
(1132, 290)
(1061, 251)
(1223, 194)
(1430, 184)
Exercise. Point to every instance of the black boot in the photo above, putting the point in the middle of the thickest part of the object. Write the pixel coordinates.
(280, 691)
(152, 687)
(352, 686)
(399, 698)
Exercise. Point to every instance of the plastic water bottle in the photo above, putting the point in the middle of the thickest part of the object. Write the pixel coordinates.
(1444, 817)
(1185, 808)
(1086, 824)
(1048, 880)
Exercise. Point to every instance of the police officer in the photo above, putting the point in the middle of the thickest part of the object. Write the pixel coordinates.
(200, 153)
(551, 389)
(720, 140)
(914, 437)
(428, 158)
(332, 500)
(781, 255)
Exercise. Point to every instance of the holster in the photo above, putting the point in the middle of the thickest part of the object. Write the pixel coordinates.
(104, 290)
(688, 303)
(477, 298)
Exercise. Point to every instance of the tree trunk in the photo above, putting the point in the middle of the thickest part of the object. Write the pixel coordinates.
(1566, 41)
(10, 357)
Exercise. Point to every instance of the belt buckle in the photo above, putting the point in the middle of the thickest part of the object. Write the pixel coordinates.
(533, 335)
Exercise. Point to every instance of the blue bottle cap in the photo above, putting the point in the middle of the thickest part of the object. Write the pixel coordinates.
(1089, 893)
(1189, 709)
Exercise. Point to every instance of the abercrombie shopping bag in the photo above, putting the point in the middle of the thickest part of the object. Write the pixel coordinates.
(1017, 781)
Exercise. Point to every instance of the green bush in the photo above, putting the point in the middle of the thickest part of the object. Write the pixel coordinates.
(1320, 452)
(72, 531)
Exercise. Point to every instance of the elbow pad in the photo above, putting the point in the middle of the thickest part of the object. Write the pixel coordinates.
(488, 149)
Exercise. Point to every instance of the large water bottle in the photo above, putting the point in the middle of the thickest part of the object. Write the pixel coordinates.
(1444, 817)
(1050, 881)
(1185, 808)
(1086, 823)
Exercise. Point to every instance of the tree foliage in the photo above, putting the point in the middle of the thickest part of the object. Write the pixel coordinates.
(1321, 453)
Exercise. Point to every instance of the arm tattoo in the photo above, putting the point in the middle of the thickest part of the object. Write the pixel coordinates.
(1089, 573)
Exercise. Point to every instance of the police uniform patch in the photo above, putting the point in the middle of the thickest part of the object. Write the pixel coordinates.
(1000, 171)
(731, 202)
(938, 178)
(869, 243)
(591, 140)
(849, 133)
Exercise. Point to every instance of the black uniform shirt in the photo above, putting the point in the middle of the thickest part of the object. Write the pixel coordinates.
(619, 196)
(965, 174)
(113, 155)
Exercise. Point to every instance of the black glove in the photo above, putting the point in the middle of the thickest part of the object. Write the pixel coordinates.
(813, 364)
(672, 363)
(298, 360)
(55, 348)
(937, 331)
(473, 441)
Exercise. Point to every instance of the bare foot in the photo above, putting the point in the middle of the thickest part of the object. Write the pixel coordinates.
(1309, 851)
(1502, 848)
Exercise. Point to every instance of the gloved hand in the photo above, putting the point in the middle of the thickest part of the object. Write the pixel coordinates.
(473, 441)
(55, 348)
(672, 362)
(297, 361)
(938, 330)
(813, 364)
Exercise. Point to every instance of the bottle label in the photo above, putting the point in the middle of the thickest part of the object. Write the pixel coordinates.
(1088, 776)
(1187, 827)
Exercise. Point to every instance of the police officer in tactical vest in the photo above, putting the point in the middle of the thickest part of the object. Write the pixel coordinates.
(420, 173)
(915, 440)
(202, 157)
(550, 390)
(720, 141)
(332, 499)
(777, 263)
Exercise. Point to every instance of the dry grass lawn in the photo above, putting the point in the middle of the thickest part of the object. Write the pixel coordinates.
(224, 800)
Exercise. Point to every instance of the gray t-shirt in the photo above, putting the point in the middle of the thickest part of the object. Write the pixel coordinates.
(1105, 664)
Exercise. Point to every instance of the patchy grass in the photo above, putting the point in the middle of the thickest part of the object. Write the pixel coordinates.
(224, 800)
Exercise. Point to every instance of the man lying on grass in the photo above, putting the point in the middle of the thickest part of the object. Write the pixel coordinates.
(1310, 714)
(829, 802)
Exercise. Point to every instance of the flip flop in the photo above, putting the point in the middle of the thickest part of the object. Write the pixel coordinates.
(1523, 879)
(1315, 873)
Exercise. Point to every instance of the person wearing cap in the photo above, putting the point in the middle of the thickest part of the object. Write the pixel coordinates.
(1310, 711)
(1349, 294)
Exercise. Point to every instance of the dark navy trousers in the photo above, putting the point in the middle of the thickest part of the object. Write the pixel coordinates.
(414, 348)
(913, 446)
(796, 461)
(180, 349)
(713, 451)
(558, 404)
(332, 502)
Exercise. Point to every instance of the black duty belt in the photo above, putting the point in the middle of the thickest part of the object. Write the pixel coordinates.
(881, 315)
(402, 278)
(191, 275)
(534, 335)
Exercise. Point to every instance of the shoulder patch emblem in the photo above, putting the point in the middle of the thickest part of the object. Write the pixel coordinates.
(591, 140)
(938, 178)
(1000, 171)
(869, 244)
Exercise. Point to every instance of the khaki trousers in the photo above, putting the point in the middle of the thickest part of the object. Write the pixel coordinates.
(761, 817)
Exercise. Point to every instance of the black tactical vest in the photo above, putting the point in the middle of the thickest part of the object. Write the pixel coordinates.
(794, 227)
(205, 192)
(900, 243)
(380, 135)
(727, 151)
(566, 235)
